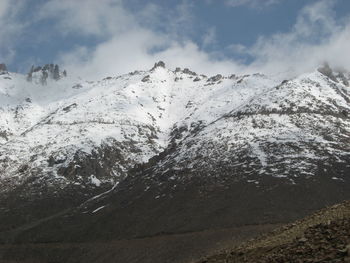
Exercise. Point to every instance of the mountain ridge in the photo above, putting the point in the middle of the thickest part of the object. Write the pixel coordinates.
(188, 144)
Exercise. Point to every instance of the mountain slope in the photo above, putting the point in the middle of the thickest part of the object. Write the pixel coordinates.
(322, 237)
(82, 137)
(164, 151)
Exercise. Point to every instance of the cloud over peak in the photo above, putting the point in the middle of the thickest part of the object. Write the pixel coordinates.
(126, 39)
(317, 36)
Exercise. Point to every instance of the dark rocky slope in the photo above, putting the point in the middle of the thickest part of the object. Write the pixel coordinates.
(322, 237)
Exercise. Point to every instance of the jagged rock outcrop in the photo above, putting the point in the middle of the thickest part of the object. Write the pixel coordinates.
(3, 67)
(42, 74)
(215, 78)
(160, 64)
(189, 72)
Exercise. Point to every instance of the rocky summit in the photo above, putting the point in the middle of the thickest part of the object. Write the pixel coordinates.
(167, 152)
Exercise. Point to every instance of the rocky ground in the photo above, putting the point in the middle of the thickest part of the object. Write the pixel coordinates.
(322, 237)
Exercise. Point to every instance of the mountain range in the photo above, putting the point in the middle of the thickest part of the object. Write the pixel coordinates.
(167, 152)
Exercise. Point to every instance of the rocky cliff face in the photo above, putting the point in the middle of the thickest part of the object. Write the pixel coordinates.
(172, 150)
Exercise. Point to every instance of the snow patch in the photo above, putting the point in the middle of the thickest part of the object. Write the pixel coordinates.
(98, 209)
(94, 180)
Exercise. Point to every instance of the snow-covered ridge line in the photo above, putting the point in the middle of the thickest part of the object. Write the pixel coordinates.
(115, 123)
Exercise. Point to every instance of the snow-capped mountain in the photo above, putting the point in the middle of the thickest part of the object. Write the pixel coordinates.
(48, 129)
(162, 130)
(284, 130)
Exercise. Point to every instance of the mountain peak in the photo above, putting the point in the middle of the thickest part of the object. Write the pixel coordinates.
(327, 71)
(335, 75)
(42, 73)
(159, 64)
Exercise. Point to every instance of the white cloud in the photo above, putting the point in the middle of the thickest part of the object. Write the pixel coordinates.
(129, 40)
(238, 48)
(11, 28)
(88, 17)
(316, 37)
(181, 19)
(4, 5)
(134, 50)
(252, 3)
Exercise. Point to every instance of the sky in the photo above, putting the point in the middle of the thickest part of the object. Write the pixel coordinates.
(98, 38)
